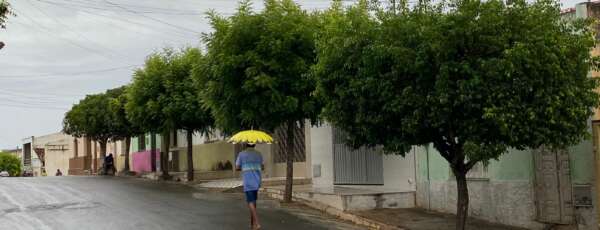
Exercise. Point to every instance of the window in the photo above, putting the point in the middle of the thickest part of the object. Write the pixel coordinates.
(142, 143)
(281, 146)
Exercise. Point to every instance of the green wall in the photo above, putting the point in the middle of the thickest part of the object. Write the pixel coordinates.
(582, 162)
(515, 165)
(135, 140)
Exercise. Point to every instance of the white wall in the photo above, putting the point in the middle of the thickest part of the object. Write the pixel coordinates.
(398, 171)
(321, 149)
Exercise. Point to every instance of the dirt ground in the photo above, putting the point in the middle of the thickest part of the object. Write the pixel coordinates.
(418, 219)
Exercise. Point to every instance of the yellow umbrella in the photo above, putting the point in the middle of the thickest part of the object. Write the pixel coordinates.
(251, 137)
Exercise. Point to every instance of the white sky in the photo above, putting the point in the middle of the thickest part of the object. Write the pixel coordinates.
(57, 51)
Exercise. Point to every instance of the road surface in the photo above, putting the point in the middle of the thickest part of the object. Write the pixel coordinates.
(64, 203)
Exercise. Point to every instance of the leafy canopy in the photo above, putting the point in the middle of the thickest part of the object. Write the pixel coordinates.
(5, 11)
(162, 96)
(143, 107)
(255, 73)
(122, 127)
(10, 163)
(92, 118)
(473, 77)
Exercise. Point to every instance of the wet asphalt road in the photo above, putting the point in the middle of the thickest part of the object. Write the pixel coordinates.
(64, 203)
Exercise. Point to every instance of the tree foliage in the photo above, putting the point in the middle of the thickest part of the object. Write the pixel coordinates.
(122, 127)
(256, 71)
(182, 108)
(472, 77)
(92, 118)
(162, 96)
(5, 11)
(257, 65)
(143, 106)
(10, 163)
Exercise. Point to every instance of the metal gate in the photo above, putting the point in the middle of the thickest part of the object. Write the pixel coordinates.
(553, 192)
(363, 166)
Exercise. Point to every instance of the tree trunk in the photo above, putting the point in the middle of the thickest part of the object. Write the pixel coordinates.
(289, 176)
(462, 205)
(95, 157)
(127, 146)
(153, 152)
(102, 150)
(190, 156)
(164, 156)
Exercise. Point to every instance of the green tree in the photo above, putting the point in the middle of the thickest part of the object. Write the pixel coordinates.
(5, 11)
(10, 163)
(256, 70)
(143, 107)
(123, 128)
(163, 98)
(472, 77)
(91, 118)
(182, 108)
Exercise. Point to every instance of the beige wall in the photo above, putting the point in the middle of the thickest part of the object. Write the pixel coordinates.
(207, 156)
(58, 149)
(57, 160)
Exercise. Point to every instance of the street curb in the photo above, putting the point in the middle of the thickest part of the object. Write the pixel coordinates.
(371, 224)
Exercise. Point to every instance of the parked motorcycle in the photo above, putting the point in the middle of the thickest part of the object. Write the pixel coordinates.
(108, 170)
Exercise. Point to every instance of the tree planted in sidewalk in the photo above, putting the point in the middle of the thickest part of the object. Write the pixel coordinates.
(91, 118)
(124, 129)
(144, 107)
(472, 77)
(182, 108)
(256, 71)
(163, 98)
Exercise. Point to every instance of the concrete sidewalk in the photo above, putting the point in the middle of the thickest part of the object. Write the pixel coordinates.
(418, 219)
(404, 218)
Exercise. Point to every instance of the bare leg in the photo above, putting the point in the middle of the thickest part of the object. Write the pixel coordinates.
(251, 216)
(256, 224)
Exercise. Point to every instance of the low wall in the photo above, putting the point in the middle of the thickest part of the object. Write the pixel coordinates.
(79, 165)
(141, 161)
(57, 160)
(207, 156)
(493, 201)
(280, 170)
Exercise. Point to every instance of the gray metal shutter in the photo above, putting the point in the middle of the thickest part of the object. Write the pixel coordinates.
(363, 166)
(553, 186)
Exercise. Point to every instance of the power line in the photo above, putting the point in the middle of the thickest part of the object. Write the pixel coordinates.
(177, 32)
(98, 6)
(39, 95)
(71, 29)
(67, 74)
(154, 19)
(49, 31)
(34, 107)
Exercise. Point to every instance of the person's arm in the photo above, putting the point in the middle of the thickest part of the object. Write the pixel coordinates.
(238, 165)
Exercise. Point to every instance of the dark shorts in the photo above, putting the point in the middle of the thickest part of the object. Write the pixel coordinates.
(251, 196)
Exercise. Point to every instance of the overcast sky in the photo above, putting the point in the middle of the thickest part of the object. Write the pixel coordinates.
(57, 51)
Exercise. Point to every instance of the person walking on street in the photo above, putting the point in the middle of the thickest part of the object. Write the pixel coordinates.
(58, 172)
(250, 162)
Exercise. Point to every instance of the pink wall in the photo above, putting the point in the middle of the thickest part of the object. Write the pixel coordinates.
(141, 161)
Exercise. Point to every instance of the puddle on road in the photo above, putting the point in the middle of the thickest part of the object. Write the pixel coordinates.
(51, 207)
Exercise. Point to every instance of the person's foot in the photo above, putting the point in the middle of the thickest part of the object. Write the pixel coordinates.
(256, 227)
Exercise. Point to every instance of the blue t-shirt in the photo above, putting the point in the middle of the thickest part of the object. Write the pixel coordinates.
(251, 163)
